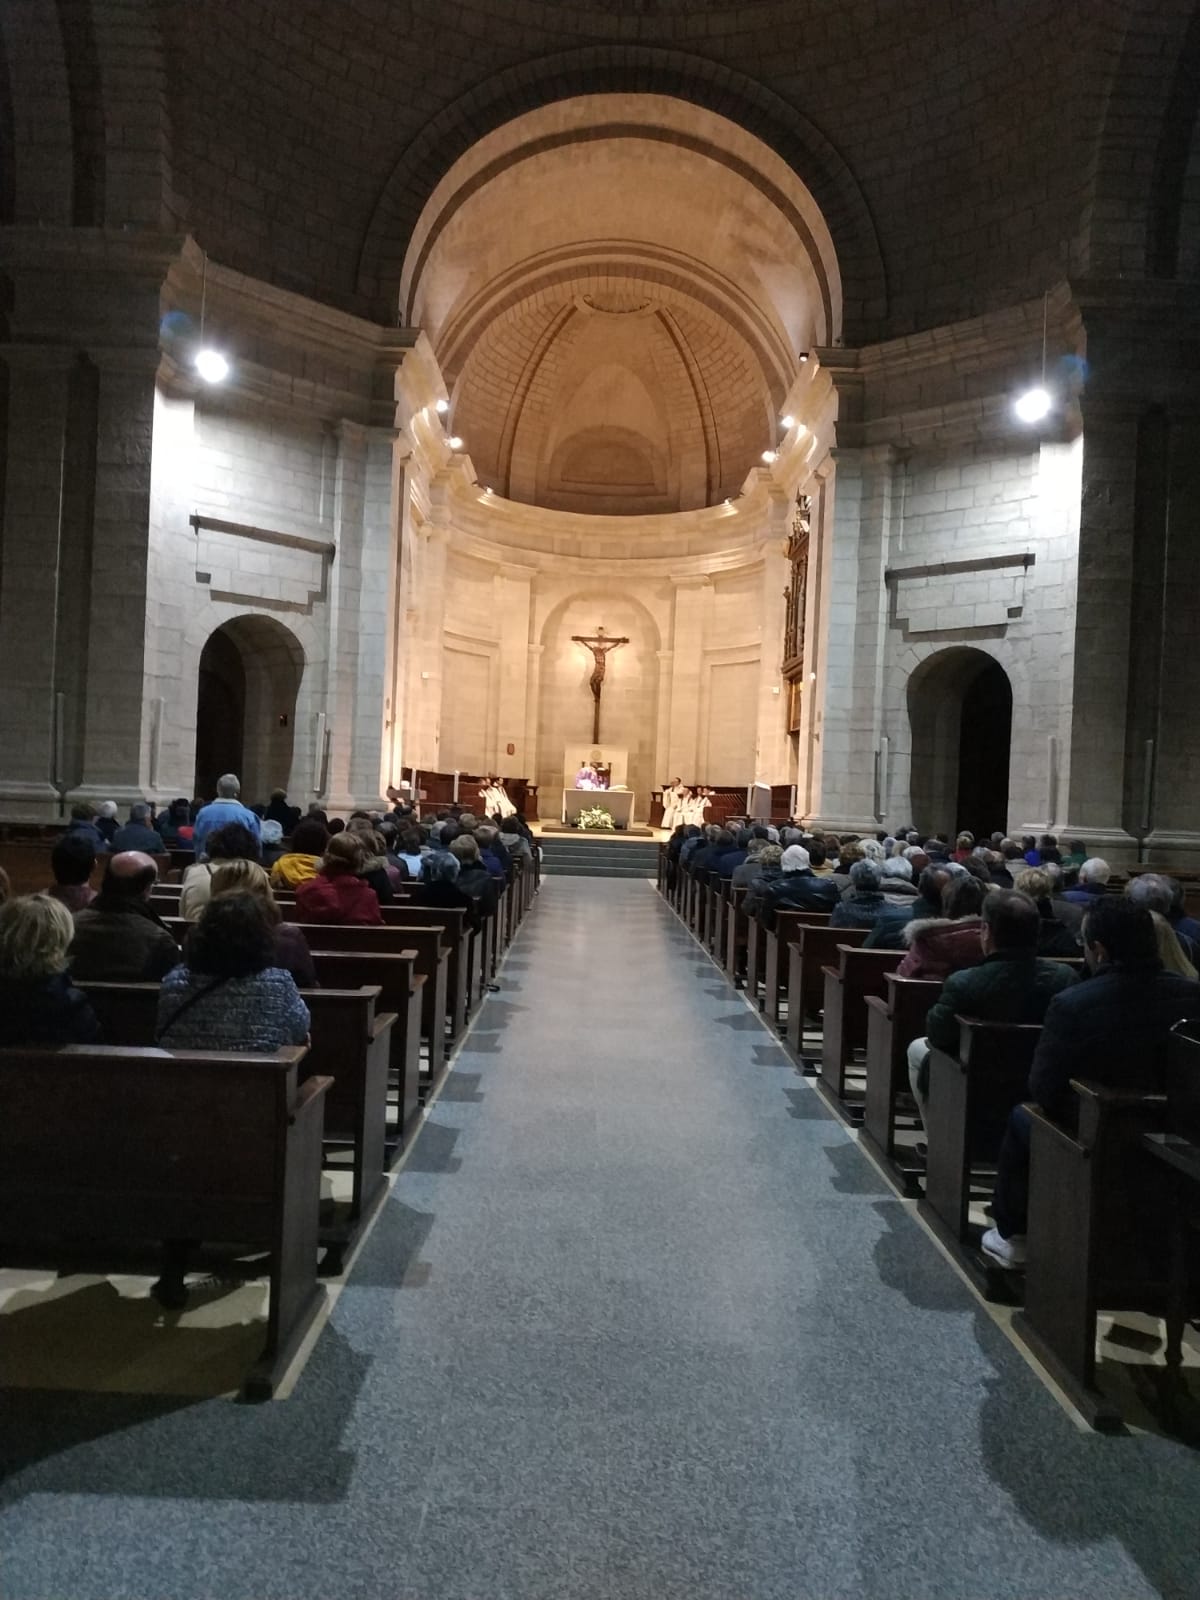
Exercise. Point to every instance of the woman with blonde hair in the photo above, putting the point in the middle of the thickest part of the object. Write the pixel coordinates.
(291, 947)
(1170, 951)
(39, 1005)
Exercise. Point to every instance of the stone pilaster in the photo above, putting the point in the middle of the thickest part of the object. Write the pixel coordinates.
(513, 587)
(692, 595)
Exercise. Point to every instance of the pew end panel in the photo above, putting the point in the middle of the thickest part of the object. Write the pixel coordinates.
(1100, 1213)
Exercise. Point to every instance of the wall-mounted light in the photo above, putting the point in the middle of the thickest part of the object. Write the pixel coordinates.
(441, 407)
(454, 442)
(769, 456)
(787, 422)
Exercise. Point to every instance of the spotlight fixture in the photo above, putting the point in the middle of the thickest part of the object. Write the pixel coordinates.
(441, 407)
(489, 490)
(211, 365)
(769, 456)
(454, 442)
(804, 355)
(727, 501)
(787, 422)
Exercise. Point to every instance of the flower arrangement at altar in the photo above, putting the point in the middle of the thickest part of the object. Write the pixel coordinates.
(595, 818)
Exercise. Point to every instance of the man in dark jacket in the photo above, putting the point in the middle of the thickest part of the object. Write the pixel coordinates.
(796, 889)
(137, 834)
(118, 939)
(1110, 1029)
(729, 861)
(863, 906)
(474, 879)
(1012, 984)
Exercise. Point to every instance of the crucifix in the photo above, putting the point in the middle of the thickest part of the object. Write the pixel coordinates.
(599, 644)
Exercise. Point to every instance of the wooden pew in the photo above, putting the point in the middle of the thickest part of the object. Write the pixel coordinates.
(401, 989)
(103, 1144)
(859, 973)
(736, 934)
(1099, 1217)
(970, 1097)
(811, 948)
(350, 1043)
(775, 967)
(894, 1020)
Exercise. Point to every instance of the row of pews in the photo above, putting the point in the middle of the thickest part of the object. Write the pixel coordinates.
(105, 1151)
(1113, 1203)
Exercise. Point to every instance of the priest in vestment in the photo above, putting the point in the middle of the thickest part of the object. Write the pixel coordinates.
(587, 777)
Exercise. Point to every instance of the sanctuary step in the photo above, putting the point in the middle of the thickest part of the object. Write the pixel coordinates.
(592, 856)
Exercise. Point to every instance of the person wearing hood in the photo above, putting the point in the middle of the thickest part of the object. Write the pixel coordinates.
(118, 938)
(796, 889)
(952, 941)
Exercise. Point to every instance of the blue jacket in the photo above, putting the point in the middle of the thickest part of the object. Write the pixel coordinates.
(215, 815)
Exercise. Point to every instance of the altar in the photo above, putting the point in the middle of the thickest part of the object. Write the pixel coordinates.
(617, 802)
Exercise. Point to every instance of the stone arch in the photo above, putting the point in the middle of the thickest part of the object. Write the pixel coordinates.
(598, 69)
(630, 695)
(960, 724)
(248, 684)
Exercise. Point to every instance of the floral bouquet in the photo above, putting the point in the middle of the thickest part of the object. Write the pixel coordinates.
(595, 818)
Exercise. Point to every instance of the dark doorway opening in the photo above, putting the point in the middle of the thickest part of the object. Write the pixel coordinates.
(220, 713)
(248, 684)
(960, 715)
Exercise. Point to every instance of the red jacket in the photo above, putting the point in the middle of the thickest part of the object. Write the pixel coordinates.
(938, 947)
(343, 898)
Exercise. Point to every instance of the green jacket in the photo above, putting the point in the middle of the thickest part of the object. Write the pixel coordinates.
(1005, 988)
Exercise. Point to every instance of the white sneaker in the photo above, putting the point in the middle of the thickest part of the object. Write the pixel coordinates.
(1009, 1253)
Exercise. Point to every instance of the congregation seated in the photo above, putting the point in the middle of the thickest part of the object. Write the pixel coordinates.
(230, 994)
(491, 852)
(405, 848)
(218, 813)
(694, 838)
(72, 861)
(1055, 937)
(954, 940)
(39, 1005)
(717, 842)
(797, 888)
(292, 952)
(744, 875)
(338, 892)
(118, 938)
(897, 881)
(1011, 984)
(849, 852)
(375, 867)
(303, 859)
(174, 826)
(233, 842)
(1170, 948)
(474, 879)
(1110, 1029)
(137, 834)
(438, 885)
(516, 839)
(726, 863)
(1091, 882)
(1156, 892)
(863, 903)
(926, 904)
(769, 871)
(83, 822)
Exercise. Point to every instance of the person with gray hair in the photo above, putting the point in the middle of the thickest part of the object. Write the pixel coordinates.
(1093, 882)
(106, 824)
(863, 903)
(1154, 891)
(750, 869)
(897, 881)
(872, 850)
(137, 833)
(225, 808)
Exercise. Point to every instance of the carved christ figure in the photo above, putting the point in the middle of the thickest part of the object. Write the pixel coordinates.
(599, 644)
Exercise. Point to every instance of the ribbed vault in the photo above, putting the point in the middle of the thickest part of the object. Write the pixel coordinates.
(617, 289)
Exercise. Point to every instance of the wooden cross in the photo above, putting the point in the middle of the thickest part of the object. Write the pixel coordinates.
(599, 644)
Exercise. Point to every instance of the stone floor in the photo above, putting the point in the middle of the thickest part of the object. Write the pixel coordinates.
(639, 1322)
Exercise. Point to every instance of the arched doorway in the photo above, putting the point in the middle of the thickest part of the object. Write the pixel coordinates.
(960, 715)
(249, 678)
